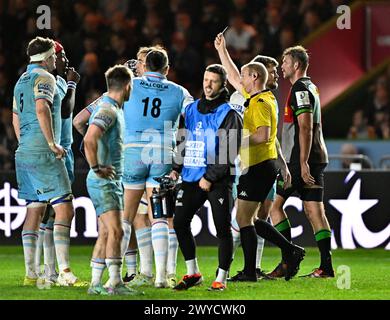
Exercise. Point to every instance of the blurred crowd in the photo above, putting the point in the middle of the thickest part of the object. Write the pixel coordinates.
(97, 34)
(371, 120)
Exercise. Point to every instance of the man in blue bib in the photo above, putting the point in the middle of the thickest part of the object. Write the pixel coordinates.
(212, 138)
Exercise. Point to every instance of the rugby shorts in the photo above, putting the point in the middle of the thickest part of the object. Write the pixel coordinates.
(40, 176)
(298, 186)
(142, 165)
(106, 195)
(257, 182)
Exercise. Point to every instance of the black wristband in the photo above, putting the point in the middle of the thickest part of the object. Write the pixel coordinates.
(95, 168)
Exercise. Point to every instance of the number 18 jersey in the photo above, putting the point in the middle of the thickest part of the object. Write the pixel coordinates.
(152, 110)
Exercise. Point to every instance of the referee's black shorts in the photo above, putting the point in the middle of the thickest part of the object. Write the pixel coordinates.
(256, 183)
(306, 193)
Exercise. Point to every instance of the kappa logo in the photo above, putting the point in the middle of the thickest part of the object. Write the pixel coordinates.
(221, 200)
(243, 194)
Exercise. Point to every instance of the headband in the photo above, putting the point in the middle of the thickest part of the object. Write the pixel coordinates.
(42, 56)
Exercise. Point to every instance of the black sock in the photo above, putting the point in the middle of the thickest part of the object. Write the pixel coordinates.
(284, 227)
(323, 238)
(225, 252)
(269, 233)
(249, 245)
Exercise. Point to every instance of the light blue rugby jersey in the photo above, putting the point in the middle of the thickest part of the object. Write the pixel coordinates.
(35, 83)
(108, 116)
(154, 102)
(92, 106)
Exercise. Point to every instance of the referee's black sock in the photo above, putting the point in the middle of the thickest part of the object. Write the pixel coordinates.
(249, 245)
(269, 233)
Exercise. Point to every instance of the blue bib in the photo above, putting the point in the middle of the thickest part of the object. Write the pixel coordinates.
(202, 140)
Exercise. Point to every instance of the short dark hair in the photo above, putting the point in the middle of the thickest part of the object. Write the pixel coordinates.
(117, 77)
(266, 60)
(218, 69)
(39, 45)
(156, 60)
(298, 54)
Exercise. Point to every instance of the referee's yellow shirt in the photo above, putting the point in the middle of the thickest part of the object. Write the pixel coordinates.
(260, 112)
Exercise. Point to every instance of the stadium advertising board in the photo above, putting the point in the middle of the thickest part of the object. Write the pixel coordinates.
(356, 203)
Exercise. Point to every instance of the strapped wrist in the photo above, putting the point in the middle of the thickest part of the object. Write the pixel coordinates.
(72, 85)
(95, 168)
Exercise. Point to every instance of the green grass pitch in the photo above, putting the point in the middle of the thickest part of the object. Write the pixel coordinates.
(369, 278)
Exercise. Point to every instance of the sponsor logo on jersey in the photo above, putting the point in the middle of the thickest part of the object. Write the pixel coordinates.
(45, 88)
(155, 85)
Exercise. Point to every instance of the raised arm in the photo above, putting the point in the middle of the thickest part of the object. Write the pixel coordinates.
(232, 71)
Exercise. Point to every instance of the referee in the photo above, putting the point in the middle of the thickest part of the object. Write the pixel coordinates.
(258, 155)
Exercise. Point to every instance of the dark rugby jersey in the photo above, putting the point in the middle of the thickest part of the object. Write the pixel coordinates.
(303, 97)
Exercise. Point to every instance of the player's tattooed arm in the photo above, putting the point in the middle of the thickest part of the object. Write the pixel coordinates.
(80, 121)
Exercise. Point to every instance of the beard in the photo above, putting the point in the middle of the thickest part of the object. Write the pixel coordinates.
(272, 85)
(208, 92)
